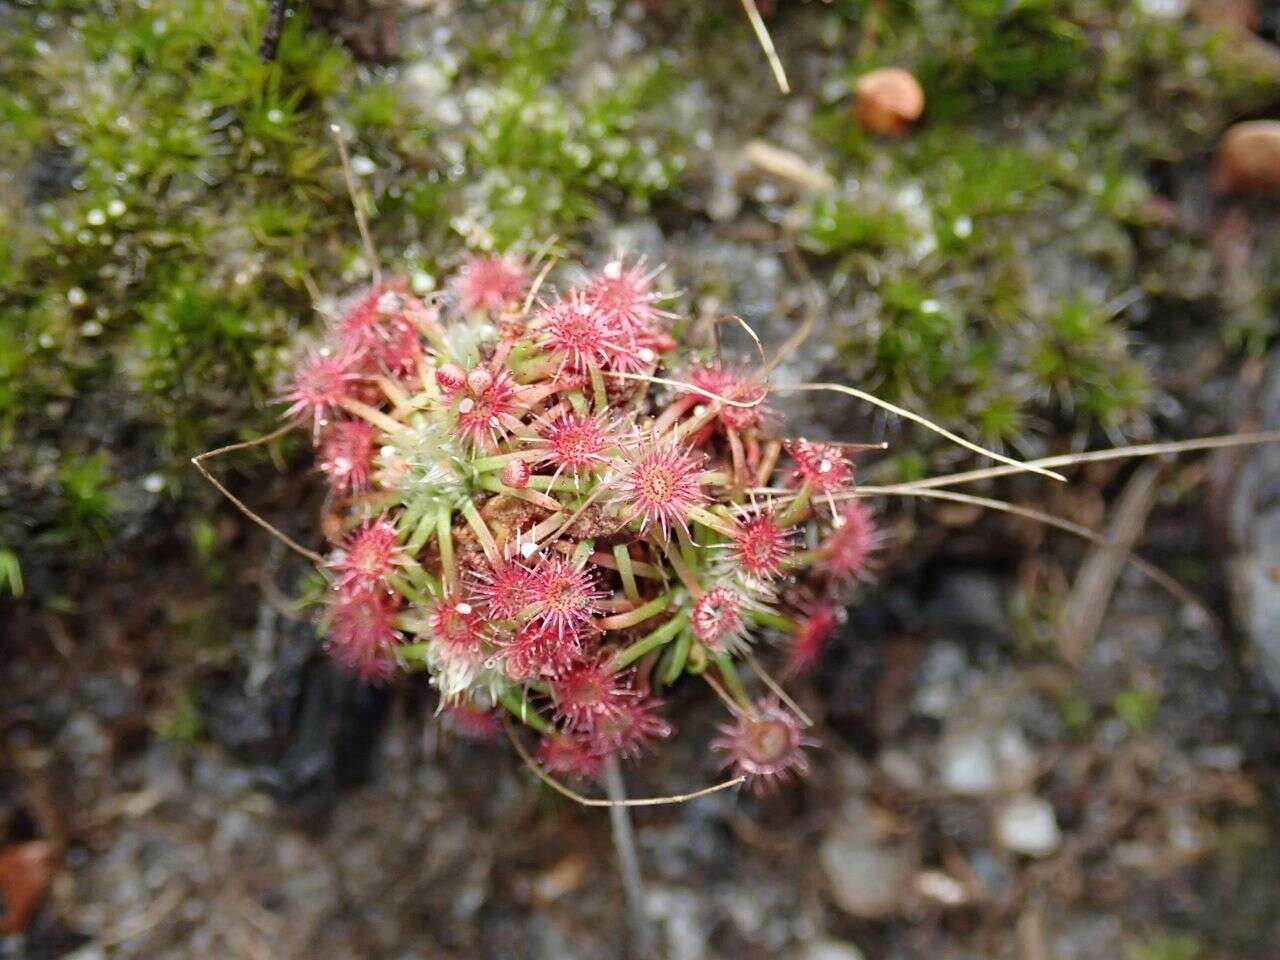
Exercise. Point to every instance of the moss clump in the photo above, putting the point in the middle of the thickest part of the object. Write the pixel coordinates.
(1003, 259)
(168, 195)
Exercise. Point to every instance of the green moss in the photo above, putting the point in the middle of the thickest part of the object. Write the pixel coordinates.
(845, 226)
(1136, 707)
(182, 722)
(538, 158)
(1164, 946)
(86, 497)
(11, 572)
(1021, 205)
(174, 195)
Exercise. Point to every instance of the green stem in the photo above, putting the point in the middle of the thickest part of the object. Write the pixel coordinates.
(480, 529)
(444, 533)
(683, 572)
(801, 559)
(402, 586)
(494, 485)
(515, 702)
(770, 619)
(733, 682)
(582, 553)
(639, 615)
(708, 519)
(652, 641)
(500, 460)
(421, 579)
(796, 508)
(421, 534)
(679, 657)
(413, 651)
(717, 478)
(622, 556)
(562, 483)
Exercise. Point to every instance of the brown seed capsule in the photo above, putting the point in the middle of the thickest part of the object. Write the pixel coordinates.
(1249, 158)
(889, 101)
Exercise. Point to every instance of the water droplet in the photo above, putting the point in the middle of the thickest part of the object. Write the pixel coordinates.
(116, 207)
(96, 217)
(76, 297)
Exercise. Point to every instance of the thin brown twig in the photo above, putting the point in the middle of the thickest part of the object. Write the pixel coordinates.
(538, 281)
(737, 709)
(280, 535)
(1095, 582)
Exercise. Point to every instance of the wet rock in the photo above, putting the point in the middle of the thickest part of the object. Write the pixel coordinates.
(1249, 158)
(304, 726)
(1028, 825)
(903, 769)
(941, 888)
(978, 759)
(967, 605)
(1250, 506)
(825, 949)
(869, 877)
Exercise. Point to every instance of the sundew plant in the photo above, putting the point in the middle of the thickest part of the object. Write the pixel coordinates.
(556, 509)
(553, 510)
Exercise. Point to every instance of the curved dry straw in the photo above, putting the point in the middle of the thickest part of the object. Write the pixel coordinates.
(766, 44)
(1017, 465)
(1098, 456)
(1030, 513)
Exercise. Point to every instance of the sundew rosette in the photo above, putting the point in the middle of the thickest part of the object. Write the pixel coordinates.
(557, 513)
